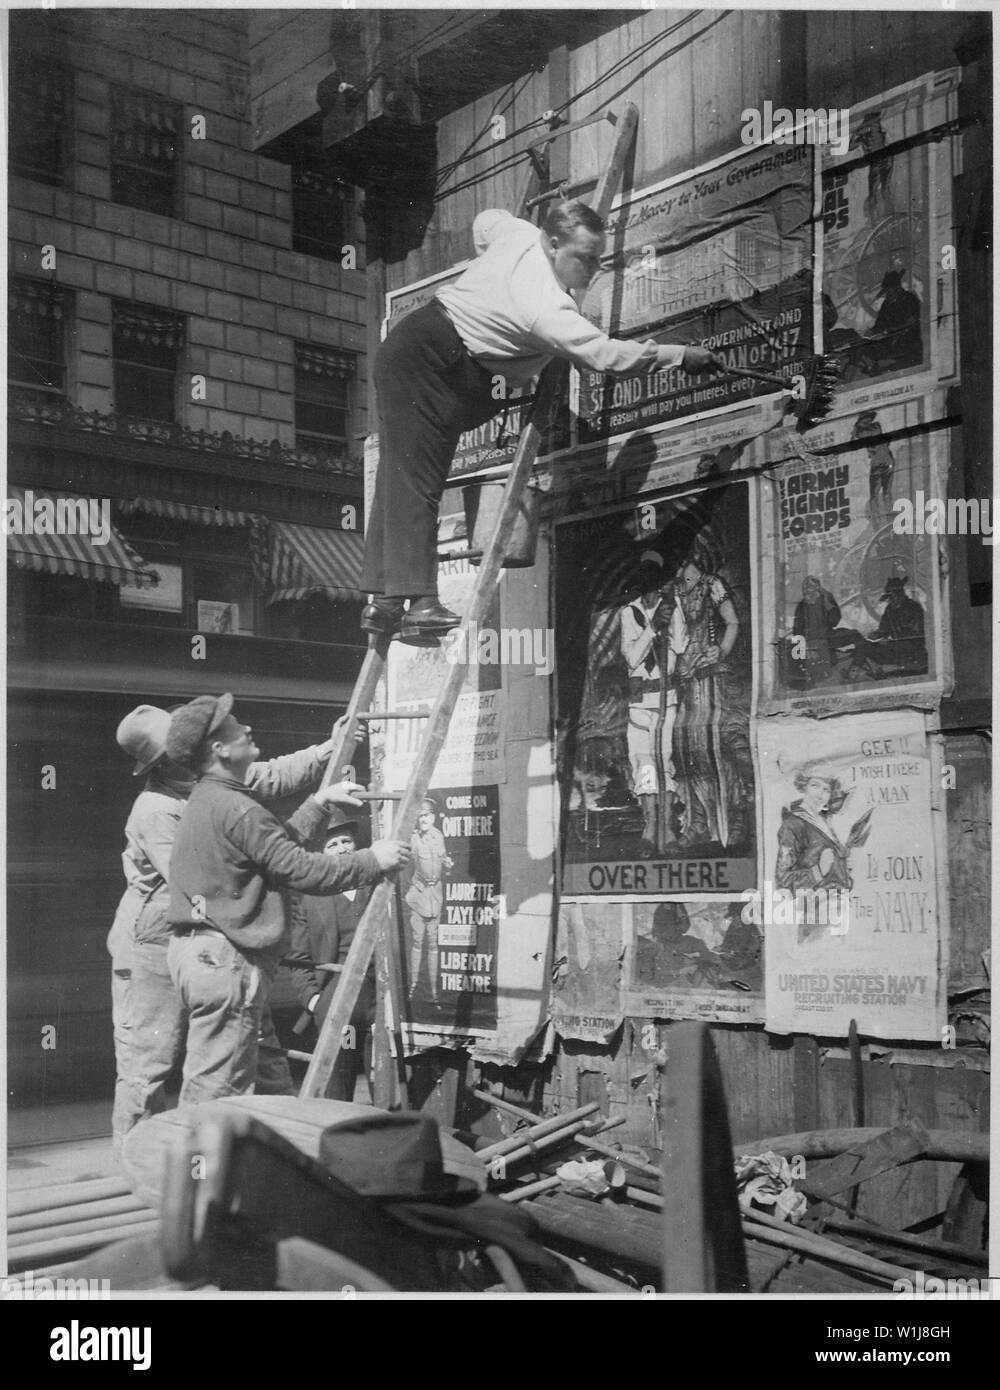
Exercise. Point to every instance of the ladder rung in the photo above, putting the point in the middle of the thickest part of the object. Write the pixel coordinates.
(556, 131)
(373, 714)
(460, 554)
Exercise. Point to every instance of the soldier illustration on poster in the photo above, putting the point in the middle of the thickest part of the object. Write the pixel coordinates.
(695, 958)
(425, 898)
(654, 695)
(887, 313)
(856, 609)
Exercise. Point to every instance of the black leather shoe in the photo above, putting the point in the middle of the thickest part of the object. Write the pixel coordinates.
(382, 616)
(428, 616)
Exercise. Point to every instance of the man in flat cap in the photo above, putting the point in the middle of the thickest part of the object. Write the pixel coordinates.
(322, 932)
(147, 1011)
(232, 866)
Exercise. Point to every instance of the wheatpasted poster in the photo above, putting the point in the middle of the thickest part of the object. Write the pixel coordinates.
(848, 901)
(696, 958)
(852, 613)
(654, 667)
(721, 257)
(451, 911)
(473, 750)
(889, 295)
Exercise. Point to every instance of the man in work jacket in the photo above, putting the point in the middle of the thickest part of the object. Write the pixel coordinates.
(448, 367)
(147, 1012)
(232, 866)
(322, 932)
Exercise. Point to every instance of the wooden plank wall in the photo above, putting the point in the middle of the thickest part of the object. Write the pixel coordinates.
(692, 73)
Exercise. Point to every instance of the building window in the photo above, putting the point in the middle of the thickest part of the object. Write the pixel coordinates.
(224, 599)
(322, 214)
(36, 337)
(145, 139)
(323, 379)
(146, 344)
(39, 117)
(207, 579)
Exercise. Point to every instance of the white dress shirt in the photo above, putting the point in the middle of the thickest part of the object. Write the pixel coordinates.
(513, 314)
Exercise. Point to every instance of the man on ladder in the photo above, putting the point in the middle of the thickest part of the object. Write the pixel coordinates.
(450, 365)
(505, 319)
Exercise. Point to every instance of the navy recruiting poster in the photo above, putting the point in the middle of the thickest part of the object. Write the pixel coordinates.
(848, 905)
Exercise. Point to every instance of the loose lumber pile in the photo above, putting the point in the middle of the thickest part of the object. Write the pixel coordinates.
(48, 1225)
(617, 1241)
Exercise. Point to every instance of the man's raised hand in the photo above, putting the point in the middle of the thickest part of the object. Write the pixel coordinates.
(339, 794)
(325, 749)
(391, 854)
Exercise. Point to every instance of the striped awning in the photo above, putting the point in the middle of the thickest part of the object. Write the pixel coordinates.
(65, 534)
(306, 560)
(185, 511)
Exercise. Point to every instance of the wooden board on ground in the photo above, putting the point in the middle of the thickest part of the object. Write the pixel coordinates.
(300, 1121)
(866, 1160)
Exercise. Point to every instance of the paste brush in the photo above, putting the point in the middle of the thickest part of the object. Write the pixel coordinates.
(821, 375)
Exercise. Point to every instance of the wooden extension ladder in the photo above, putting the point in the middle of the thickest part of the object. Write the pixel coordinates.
(374, 921)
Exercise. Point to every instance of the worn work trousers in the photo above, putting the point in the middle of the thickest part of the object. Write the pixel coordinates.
(152, 1014)
(429, 391)
(151, 1025)
(121, 982)
(224, 993)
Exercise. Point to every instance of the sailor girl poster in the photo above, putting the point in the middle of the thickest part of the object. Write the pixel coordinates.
(848, 899)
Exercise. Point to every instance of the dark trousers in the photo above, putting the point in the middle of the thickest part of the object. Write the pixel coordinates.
(429, 391)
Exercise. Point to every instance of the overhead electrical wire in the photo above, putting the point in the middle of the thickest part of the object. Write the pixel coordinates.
(643, 48)
(470, 153)
(632, 57)
(508, 162)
